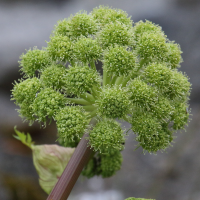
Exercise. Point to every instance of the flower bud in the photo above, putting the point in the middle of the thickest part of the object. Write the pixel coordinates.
(50, 162)
(141, 94)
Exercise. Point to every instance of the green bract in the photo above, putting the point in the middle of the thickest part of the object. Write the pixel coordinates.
(140, 84)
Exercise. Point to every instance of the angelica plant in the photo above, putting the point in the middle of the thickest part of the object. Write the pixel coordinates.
(141, 84)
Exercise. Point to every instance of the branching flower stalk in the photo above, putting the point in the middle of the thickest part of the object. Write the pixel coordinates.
(141, 84)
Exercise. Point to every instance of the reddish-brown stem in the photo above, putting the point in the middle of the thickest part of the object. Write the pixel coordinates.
(73, 169)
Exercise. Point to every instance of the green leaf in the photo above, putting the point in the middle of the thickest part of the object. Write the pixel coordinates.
(25, 139)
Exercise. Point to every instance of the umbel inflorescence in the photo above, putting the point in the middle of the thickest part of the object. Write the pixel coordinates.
(140, 84)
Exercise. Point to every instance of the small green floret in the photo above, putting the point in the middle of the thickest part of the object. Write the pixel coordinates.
(47, 103)
(34, 60)
(80, 79)
(141, 94)
(142, 27)
(110, 163)
(71, 122)
(119, 60)
(54, 76)
(115, 33)
(159, 75)
(173, 56)
(105, 15)
(62, 28)
(151, 47)
(82, 24)
(113, 102)
(180, 116)
(60, 48)
(150, 133)
(87, 50)
(26, 90)
(106, 136)
(179, 87)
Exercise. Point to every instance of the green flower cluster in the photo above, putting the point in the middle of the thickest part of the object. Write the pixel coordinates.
(80, 79)
(54, 76)
(140, 84)
(105, 165)
(24, 94)
(47, 103)
(34, 60)
(71, 123)
(119, 60)
(106, 136)
(113, 102)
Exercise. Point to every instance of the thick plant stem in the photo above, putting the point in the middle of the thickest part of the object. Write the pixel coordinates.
(73, 169)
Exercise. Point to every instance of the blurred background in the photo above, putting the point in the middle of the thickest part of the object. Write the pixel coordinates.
(173, 175)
